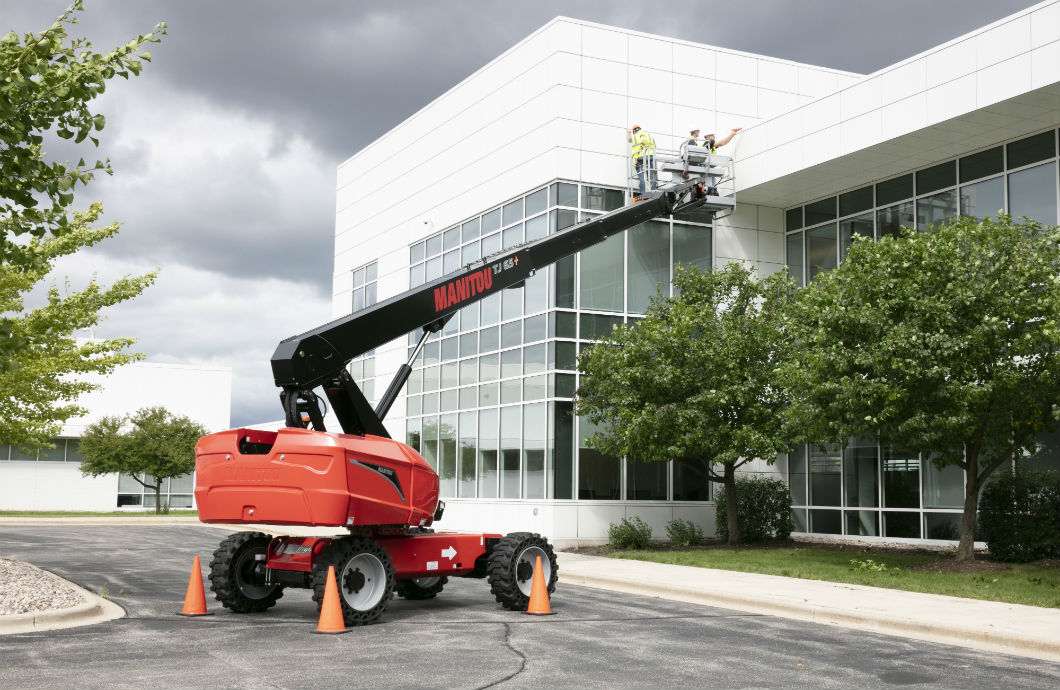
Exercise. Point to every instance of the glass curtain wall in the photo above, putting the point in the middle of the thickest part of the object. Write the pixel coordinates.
(489, 402)
(869, 489)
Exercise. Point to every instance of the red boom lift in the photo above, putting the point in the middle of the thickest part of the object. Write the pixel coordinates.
(379, 489)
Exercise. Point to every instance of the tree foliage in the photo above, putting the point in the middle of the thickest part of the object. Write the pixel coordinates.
(695, 380)
(47, 83)
(946, 343)
(152, 442)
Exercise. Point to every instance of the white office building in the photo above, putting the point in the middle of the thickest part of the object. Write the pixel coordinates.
(536, 140)
(52, 479)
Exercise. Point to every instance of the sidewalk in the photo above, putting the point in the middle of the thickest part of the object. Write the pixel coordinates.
(988, 625)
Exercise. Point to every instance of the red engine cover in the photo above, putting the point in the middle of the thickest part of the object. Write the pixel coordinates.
(301, 477)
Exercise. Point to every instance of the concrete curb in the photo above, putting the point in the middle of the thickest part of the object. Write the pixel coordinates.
(93, 609)
(1001, 629)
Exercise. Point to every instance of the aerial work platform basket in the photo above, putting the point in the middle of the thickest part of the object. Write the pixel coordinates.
(665, 167)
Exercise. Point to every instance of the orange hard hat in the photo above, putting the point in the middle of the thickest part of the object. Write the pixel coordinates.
(636, 127)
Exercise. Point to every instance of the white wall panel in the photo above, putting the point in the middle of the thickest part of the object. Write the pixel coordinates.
(655, 116)
(904, 116)
(738, 69)
(1045, 25)
(771, 247)
(782, 129)
(560, 68)
(342, 281)
(650, 52)
(820, 114)
(1003, 41)
(817, 82)
(604, 43)
(605, 75)
(772, 103)
(818, 147)
(1003, 80)
(694, 60)
(951, 98)
(860, 98)
(1045, 65)
(778, 76)
(651, 84)
(601, 168)
(604, 139)
(687, 119)
(770, 220)
(861, 131)
(604, 109)
(951, 62)
(593, 520)
(903, 81)
(737, 98)
(566, 102)
(564, 36)
(697, 92)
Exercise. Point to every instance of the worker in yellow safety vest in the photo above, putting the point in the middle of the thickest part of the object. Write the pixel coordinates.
(710, 143)
(643, 151)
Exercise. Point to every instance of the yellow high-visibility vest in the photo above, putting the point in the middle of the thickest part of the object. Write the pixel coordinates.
(643, 144)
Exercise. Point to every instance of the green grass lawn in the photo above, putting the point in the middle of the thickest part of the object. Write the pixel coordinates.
(1016, 583)
(86, 513)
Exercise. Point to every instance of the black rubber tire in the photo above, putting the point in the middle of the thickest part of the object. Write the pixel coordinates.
(509, 586)
(414, 588)
(229, 578)
(338, 554)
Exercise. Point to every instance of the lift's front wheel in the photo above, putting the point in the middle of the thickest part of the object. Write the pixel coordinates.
(420, 587)
(237, 573)
(510, 570)
(364, 575)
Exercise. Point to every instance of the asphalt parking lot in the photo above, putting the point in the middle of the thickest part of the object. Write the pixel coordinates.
(461, 639)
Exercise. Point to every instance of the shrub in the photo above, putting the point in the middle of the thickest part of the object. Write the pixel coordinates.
(763, 509)
(1020, 516)
(629, 534)
(684, 533)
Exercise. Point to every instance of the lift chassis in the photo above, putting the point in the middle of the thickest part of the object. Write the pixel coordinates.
(379, 493)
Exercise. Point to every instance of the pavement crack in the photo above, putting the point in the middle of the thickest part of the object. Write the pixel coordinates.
(522, 660)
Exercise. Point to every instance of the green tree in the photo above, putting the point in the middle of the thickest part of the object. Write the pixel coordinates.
(46, 85)
(152, 442)
(945, 342)
(695, 380)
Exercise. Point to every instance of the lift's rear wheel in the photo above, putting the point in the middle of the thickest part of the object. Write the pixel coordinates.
(510, 570)
(364, 575)
(237, 573)
(420, 587)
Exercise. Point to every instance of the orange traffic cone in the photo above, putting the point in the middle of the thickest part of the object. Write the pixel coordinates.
(195, 599)
(539, 605)
(331, 622)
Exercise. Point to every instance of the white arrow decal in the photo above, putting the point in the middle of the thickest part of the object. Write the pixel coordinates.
(449, 553)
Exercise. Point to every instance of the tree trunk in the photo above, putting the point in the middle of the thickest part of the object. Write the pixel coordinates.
(730, 500)
(966, 547)
(158, 498)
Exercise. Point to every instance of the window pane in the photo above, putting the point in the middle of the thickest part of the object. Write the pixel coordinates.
(469, 230)
(901, 525)
(794, 242)
(489, 367)
(690, 482)
(562, 324)
(983, 199)
(491, 244)
(470, 253)
(821, 249)
(469, 317)
(535, 328)
(511, 363)
(416, 276)
(561, 219)
(562, 460)
(649, 264)
(535, 292)
(534, 358)
(599, 475)
(469, 344)
(1032, 193)
(429, 441)
(825, 477)
(534, 428)
(894, 190)
(358, 300)
(599, 199)
(512, 212)
(416, 253)
(451, 262)
(534, 387)
(943, 488)
(692, 246)
(468, 371)
(468, 455)
(1031, 150)
(901, 479)
(852, 202)
(797, 476)
(451, 238)
(598, 326)
(434, 245)
(512, 334)
(942, 526)
(17, 454)
(489, 394)
(565, 194)
(447, 455)
(73, 450)
(932, 211)
(434, 268)
(449, 349)
(511, 303)
(491, 221)
(936, 177)
(566, 354)
(863, 523)
(826, 521)
(491, 309)
(487, 454)
(512, 236)
(858, 225)
(793, 218)
(601, 275)
(511, 391)
(358, 278)
(859, 469)
(468, 398)
(561, 386)
(646, 481)
(982, 164)
(510, 432)
(431, 376)
(537, 201)
(537, 227)
(563, 283)
(56, 454)
(820, 211)
(489, 339)
(890, 220)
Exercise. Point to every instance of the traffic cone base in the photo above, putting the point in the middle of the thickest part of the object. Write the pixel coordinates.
(539, 605)
(195, 599)
(331, 622)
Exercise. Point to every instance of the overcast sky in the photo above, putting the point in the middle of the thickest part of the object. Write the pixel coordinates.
(225, 150)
